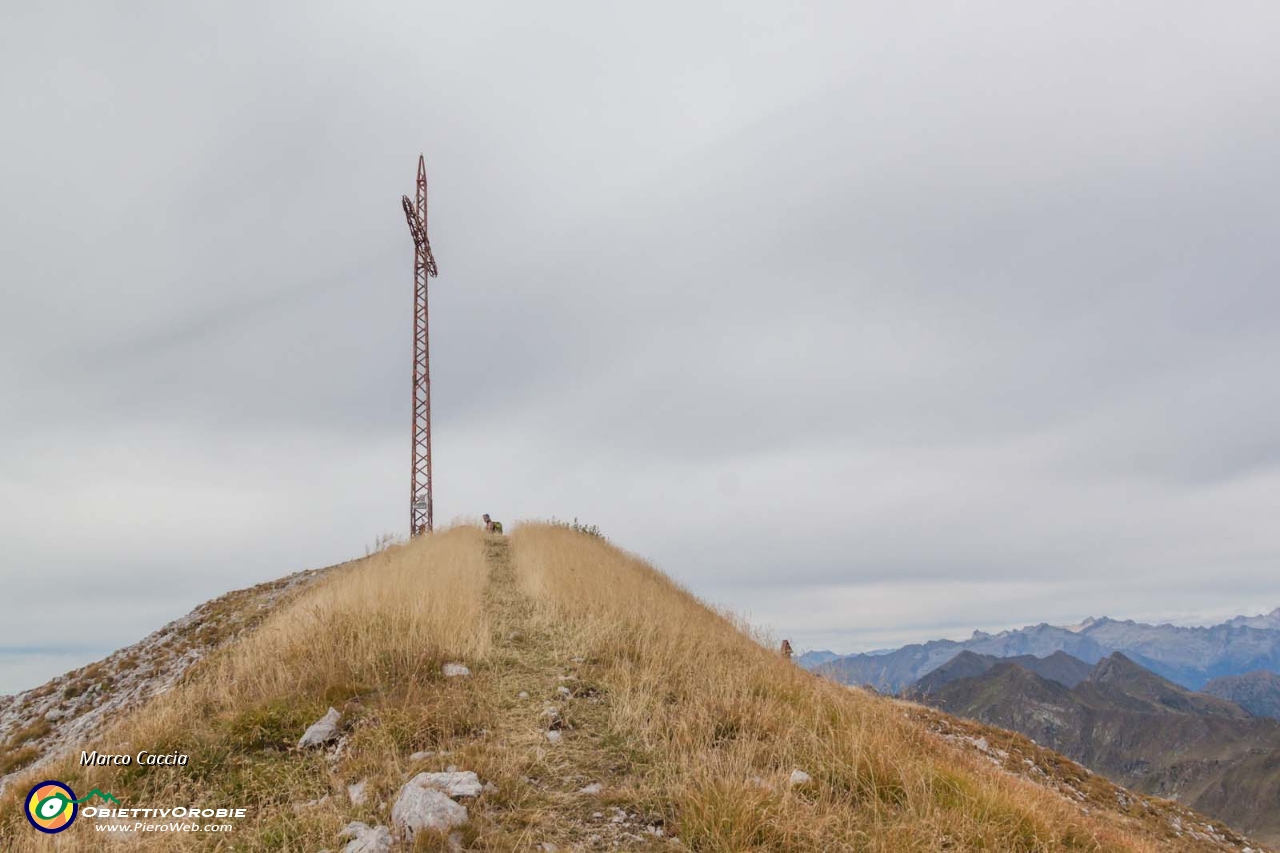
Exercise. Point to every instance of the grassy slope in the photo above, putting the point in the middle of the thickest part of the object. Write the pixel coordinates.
(691, 727)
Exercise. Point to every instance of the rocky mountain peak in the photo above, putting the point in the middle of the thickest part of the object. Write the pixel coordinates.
(1116, 667)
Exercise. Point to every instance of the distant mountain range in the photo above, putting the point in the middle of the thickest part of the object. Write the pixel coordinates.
(1190, 657)
(1138, 729)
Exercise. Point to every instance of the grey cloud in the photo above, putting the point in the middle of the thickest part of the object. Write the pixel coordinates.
(870, 324)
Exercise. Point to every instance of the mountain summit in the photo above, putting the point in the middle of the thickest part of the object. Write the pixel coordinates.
(544, 691)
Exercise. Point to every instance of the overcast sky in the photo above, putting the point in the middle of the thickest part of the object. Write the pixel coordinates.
(873, 322)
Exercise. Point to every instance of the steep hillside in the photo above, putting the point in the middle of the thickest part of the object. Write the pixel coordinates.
(1256, 692)
(1141, 731)
(549, 691)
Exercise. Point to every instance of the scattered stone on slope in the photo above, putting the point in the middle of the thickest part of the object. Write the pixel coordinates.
(592, 789)
(455, 670)
(523, 694)
(322, 731)
(554, 736)
(799, 777)
(455, 783)
(358, 792)
(365, 838)
(419, 808)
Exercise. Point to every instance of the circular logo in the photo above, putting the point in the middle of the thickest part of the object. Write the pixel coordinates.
(51, 807)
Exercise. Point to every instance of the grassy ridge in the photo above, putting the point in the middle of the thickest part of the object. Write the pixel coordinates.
(725, 721)
(689, 724)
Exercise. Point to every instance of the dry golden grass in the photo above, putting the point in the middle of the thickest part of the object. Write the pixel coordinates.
(373, 631)
(723, 722)
(689, 724)
(369, 640)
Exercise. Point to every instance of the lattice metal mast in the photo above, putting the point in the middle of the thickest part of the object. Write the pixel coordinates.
(424, 266)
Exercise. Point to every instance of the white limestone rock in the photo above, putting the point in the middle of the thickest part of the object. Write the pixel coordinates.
(322, 731)
(365, 838)
(418, 808)
(455, 783)
(455, 670)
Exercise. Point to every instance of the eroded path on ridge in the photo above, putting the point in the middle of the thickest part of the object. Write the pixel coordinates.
(547, 793)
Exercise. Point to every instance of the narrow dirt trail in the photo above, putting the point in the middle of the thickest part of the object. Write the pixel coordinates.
(544, 687)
